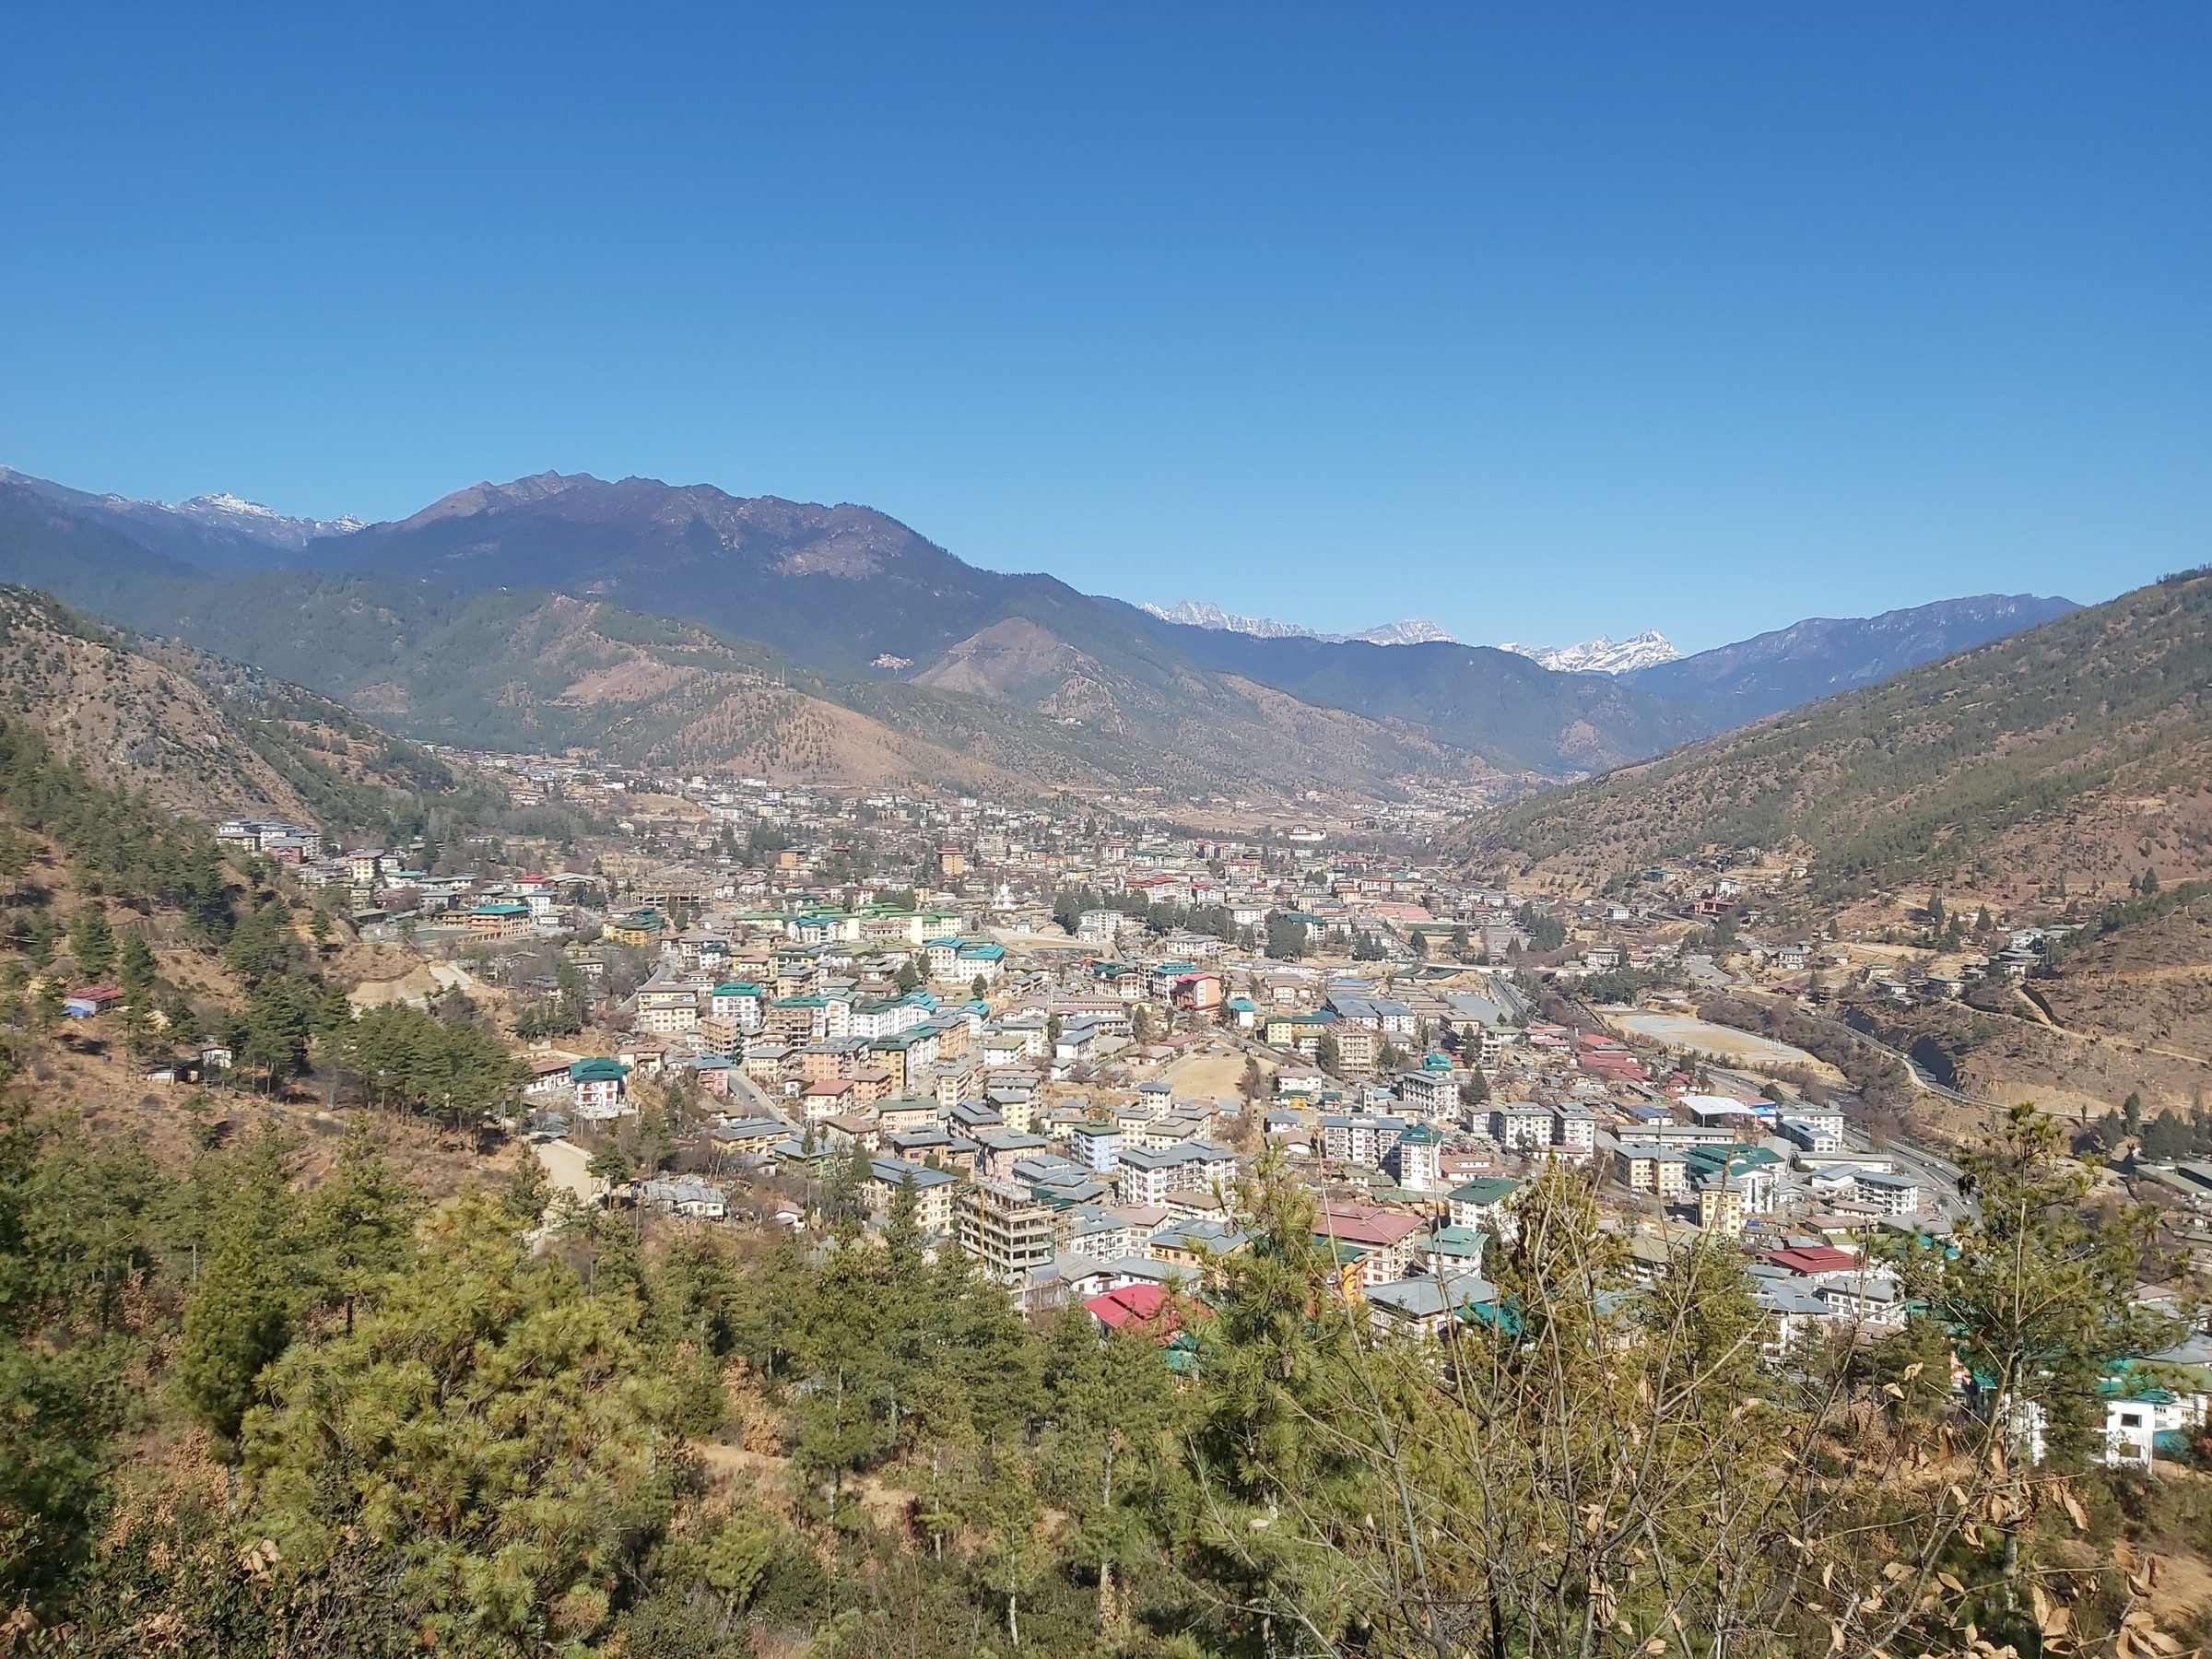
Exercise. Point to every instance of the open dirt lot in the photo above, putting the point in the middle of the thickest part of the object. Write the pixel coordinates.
(1207, 1076)
(1720, 1042)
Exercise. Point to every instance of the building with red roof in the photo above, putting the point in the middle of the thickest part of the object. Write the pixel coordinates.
(1134, 1307)
(1810, 1260)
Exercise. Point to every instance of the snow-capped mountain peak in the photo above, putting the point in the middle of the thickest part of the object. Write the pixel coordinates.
(1413, 631)
(1200, 613)
(223, 511)
(1601, 656)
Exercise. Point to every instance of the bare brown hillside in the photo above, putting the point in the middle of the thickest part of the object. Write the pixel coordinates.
(573, 673)
(2127, 1013)
(131, 720)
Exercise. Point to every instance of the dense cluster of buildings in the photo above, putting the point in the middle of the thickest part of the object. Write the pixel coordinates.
(1062, 1039)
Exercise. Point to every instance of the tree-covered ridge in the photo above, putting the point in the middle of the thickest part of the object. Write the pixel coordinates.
(1935, 772)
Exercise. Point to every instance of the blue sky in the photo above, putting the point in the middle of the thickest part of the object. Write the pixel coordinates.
(1538, 321)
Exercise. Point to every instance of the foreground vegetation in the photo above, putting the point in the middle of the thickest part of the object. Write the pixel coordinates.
(249, 1416)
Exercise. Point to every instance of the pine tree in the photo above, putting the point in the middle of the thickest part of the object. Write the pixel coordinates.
(494, 1440)
(902, 1232)
(526, 1191)
(136, 968)
(360, 1224)
(239, 1315)
(93, 942)
(611, 1165)
(1115, 1405)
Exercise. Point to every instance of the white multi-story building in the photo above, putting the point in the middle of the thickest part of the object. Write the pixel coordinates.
(739, 1002)
(1096, 1146)
(1360, 1139)
(1484, 1204)
(884, 1019)
(1429, 1094)
(1573, 1134)
(1521, 1128)
(1150, 1177)
(1812, 1135)
(1417, 1160)
(1891, 1195)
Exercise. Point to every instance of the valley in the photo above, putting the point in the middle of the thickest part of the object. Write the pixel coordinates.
(816, 976)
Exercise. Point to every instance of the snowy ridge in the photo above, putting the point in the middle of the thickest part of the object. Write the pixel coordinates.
(223, 511)
(1198, 613)
(1601, 656)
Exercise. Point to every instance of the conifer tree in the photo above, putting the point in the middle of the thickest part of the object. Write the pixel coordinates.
(93, 942)
(359, 1223)
(240, 1312)
(136, 968)
(496, 1442)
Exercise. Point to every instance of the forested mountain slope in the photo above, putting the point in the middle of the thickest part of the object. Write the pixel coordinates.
(2039, 757)
(1496, 702)
(525, 669)
(528, 670)
(203, 737)
(1732, 685)
(218, 535)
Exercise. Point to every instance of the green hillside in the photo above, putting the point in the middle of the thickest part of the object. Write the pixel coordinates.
(1997, 755)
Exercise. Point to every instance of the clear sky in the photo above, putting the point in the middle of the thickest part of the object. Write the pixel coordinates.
(1537, 320)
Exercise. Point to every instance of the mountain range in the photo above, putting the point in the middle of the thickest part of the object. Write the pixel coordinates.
(1602, 655)
(654, 623)
(1198, 613)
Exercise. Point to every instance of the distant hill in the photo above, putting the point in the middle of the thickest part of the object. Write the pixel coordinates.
(1198, 613)
(46, 542)
(984, 671)
(1733, 684)
(1496, 702)
(507, 669)
(2080, 750)
(857, 594)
